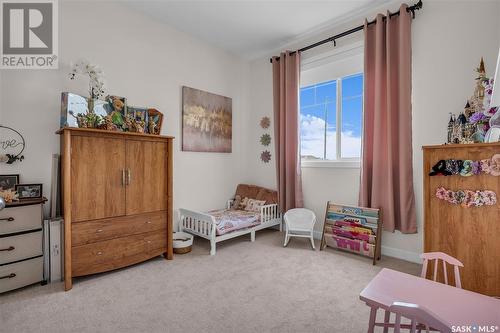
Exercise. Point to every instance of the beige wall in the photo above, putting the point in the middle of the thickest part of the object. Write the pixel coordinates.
(447, 43)
(148, 63)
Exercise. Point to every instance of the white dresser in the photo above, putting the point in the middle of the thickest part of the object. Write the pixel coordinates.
(21, 249)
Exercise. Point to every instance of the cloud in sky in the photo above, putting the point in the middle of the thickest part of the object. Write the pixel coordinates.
(312, 139)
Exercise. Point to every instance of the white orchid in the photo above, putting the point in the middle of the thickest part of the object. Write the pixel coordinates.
(96, 81)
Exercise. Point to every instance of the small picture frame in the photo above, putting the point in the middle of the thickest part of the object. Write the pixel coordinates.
(155, 120)
(8, 182)
(29, 191)
(139, 114)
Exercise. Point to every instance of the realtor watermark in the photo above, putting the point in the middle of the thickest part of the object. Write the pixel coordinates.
(29, 34)
(475, 328)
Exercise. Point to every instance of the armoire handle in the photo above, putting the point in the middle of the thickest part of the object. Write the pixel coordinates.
(129, 177)
(123, 178)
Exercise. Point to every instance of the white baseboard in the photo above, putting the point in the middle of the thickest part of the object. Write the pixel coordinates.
(401, 254)
(389, 251)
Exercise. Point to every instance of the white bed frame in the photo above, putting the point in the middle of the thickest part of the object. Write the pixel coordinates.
(203, 225)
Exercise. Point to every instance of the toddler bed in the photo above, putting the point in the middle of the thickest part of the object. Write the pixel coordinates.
(258, 210)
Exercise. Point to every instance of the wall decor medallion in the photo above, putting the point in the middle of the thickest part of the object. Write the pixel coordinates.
(206, 121)
(12, 145)
(265, 156)
(265, 139)
(265, 122)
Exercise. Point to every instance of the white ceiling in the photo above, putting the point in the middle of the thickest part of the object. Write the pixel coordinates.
(250, 28)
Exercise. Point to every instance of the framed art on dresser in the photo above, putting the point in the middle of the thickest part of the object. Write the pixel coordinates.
(8, 182)
(29, 191)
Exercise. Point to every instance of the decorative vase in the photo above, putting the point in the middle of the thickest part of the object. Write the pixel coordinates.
(90, 105)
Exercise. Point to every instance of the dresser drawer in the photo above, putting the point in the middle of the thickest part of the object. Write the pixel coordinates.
(116, 253)
(21, 274)
(14, 219)
(13, 248)
(99, 230)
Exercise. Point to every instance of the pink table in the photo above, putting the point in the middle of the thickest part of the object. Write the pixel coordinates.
(455, 306)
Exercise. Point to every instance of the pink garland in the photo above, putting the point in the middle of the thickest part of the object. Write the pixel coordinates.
(467, 198)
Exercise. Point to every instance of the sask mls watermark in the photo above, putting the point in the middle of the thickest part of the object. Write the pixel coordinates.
(28, 35)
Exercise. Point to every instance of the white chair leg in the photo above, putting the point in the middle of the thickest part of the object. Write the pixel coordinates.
(287, 239)
(212, 247)
(312, 242)
(252, 236)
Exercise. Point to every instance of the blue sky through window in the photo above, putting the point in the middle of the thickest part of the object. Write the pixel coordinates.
(318, 114)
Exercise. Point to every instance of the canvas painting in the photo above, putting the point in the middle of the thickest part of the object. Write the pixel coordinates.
(206, 121)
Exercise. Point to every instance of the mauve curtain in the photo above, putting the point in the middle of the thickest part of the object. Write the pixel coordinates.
(286, 77)
(386, 162)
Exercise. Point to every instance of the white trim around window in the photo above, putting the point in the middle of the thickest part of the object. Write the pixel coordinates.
(342, 164)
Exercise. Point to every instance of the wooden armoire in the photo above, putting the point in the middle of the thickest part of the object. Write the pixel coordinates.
(117, 199)
(469, 234)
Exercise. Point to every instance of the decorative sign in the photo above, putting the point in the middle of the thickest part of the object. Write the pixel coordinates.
(11, 145)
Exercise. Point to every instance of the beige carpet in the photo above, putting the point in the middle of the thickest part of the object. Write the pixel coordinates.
(245, 287)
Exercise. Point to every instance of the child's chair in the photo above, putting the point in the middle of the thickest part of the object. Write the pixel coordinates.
(299, 222)
(436, 256)
(420, 318)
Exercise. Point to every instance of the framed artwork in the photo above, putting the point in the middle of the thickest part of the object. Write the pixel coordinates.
(8, 182)
(116, 107)
(29, 191)
(139, 114)
(206, 121)
(71, 105)
(155, 120)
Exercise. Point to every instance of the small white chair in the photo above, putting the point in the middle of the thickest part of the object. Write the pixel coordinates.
(299, 222)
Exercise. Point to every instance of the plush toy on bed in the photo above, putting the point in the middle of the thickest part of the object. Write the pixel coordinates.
(236, 202)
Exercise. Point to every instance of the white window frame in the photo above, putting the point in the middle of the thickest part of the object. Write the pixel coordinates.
(339, 162)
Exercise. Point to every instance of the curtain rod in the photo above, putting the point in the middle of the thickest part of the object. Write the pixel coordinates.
(411, 9)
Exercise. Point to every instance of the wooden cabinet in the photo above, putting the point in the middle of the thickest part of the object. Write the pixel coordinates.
(97, 169)
(146, 163)
(468, 234)
(117, 199)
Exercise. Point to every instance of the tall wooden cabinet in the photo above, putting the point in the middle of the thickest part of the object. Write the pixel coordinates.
(469, 234)
(117, 199)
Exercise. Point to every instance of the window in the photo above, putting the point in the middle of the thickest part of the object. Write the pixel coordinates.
(331, 119)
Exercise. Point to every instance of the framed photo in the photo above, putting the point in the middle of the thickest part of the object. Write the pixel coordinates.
(8, 182)
(71, 105)
(29, 191)
(206, 121)
(139, 114)
(155, 120)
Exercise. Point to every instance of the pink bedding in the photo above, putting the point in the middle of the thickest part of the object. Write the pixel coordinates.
(230, 220)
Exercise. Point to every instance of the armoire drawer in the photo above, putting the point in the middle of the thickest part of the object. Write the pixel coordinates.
(19, 247)
(116, 253)
(99, 230)
(20, 274)
(14, 219)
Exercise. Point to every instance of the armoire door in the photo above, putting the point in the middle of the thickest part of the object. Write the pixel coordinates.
(146, 176)
(97, 178)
